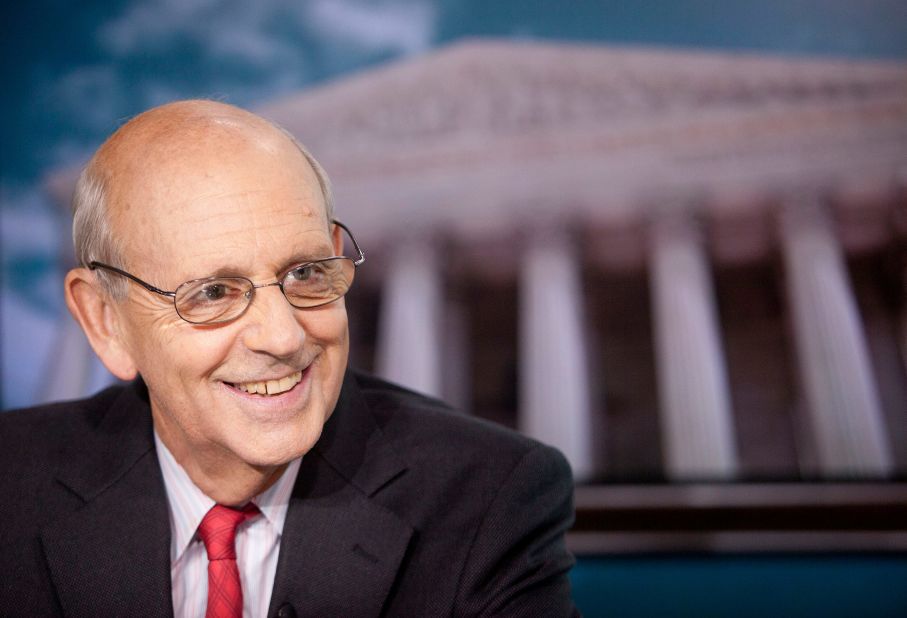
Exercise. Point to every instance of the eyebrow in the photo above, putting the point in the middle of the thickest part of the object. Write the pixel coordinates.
(319, 253)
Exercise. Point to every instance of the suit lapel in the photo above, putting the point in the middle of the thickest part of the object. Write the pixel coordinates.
(113, 554)
(340, 550)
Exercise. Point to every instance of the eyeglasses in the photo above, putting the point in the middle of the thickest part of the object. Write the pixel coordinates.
(214, 300)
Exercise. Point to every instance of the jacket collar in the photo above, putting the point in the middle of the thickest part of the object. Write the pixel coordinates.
(114, 551)
(341, 550)
(353, 444)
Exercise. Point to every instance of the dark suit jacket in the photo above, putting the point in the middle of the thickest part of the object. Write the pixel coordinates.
(403, 508)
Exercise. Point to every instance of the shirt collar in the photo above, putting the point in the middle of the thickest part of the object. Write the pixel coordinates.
(188, 504)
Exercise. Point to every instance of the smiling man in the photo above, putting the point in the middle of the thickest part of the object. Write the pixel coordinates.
(244, 470)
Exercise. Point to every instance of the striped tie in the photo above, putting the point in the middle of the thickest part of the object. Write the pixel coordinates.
(218, 533)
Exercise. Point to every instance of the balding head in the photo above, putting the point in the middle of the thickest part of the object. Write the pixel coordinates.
(167, 139)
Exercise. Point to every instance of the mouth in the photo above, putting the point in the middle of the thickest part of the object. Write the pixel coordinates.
(268, 388)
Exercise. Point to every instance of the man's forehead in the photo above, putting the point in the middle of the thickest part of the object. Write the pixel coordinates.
(220, 205)
(235, 240)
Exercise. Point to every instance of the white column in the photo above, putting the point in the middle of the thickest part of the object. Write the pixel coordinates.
(697, 428)
(554, 379)
(409, 332)
(70, 366)
(842, 397)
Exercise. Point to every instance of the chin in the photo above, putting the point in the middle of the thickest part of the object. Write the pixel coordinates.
(277, 450)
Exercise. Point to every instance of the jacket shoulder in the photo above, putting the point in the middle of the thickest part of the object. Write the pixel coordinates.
(38, 441)
(48, 424)
(466, 490)
(419, 423)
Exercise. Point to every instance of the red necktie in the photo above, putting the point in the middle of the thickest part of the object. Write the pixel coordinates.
(218, 533)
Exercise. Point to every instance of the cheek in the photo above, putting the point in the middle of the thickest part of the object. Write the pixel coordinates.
(149, 334)
(196, 355)
(327, 326)
(175, 352)
(328, 330)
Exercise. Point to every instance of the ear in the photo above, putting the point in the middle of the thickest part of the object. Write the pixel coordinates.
(97, 314)
(337, 239)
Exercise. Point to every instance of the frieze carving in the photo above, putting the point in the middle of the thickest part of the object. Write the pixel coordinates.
(498, 88)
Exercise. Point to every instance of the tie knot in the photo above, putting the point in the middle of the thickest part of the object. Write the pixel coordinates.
(218, 529)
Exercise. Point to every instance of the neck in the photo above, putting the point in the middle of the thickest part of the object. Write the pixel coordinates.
(234, 488)
(218, 475)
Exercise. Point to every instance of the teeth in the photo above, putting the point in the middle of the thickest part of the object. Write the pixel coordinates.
(271, 387)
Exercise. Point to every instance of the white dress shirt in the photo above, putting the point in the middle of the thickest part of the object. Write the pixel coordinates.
(257, 540)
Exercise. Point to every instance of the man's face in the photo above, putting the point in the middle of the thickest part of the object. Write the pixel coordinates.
(235, 204)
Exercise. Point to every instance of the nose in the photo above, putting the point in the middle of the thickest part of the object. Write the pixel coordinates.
(271, 324)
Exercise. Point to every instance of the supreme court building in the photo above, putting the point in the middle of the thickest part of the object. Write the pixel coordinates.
(686, 270)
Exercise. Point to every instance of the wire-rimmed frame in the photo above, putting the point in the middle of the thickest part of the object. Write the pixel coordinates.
(223, 299)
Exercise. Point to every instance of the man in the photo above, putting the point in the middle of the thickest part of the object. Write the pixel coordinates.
(245, 470)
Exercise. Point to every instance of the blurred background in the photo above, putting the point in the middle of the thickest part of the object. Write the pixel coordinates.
(669, 238)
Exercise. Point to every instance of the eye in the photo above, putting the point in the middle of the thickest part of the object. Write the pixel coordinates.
(214, 291)
(311, 274)
(209, 292)
(211, 300)
(303, 273)
(317, 283)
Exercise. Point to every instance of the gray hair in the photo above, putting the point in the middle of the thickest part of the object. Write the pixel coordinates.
(92, 233)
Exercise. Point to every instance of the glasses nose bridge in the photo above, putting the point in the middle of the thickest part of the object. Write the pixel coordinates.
(278, 284)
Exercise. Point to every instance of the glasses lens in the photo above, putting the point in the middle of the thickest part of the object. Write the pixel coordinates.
(204, 301)
(318, 283)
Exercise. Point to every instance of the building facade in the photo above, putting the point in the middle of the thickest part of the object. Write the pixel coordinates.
(671, 265)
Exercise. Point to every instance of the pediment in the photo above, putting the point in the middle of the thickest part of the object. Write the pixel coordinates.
(494, 126)
(488, 89)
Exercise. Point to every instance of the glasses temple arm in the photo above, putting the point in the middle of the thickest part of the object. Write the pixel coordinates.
(359, 251)
(147, 286)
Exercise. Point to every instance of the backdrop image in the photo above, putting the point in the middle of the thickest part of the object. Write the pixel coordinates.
(667, 238)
